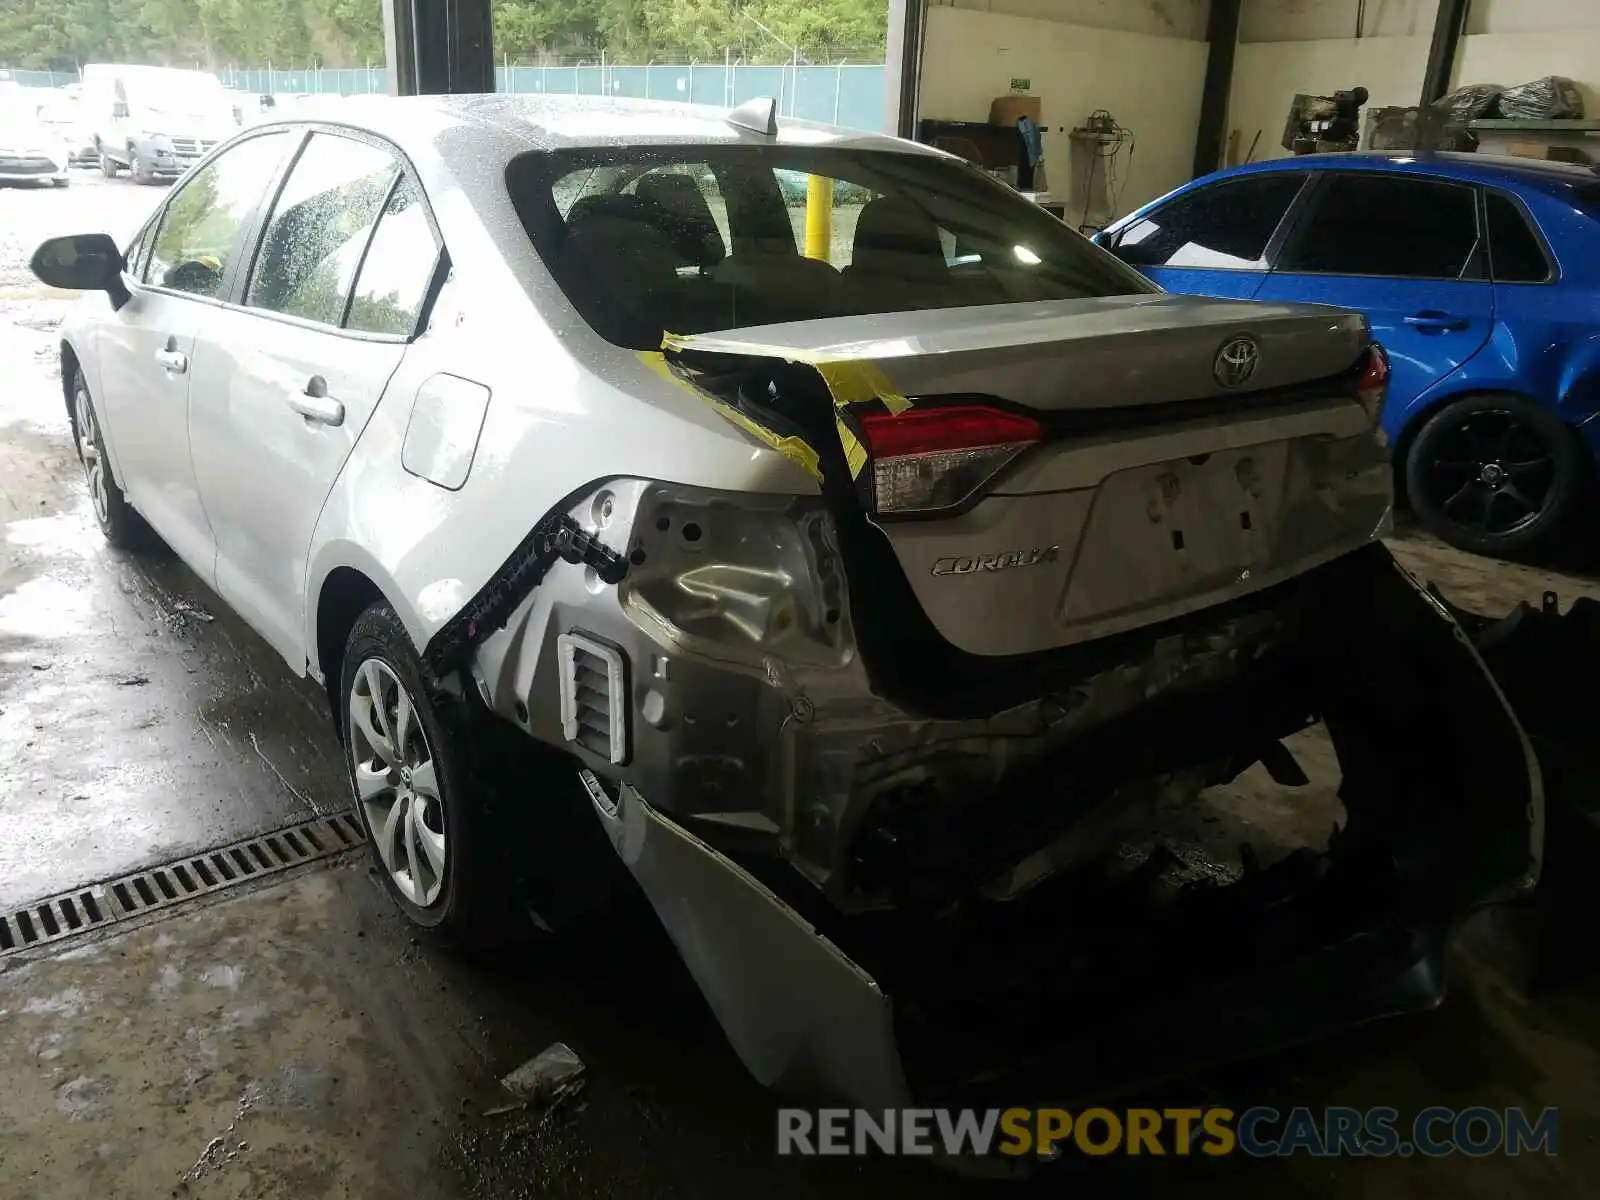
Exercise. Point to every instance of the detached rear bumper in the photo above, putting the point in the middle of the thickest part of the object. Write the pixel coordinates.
(1071, 990)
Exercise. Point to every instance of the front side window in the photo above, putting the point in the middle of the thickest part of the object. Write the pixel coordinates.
(1225, 226)
(319, 229)
(199, 232)
(1369, 224)
(137, 257)
(691, 240)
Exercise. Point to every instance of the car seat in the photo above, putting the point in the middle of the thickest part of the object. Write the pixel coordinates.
(619, 268)
(897, 259)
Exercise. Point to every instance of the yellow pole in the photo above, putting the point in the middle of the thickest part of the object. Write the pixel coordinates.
(819, 217)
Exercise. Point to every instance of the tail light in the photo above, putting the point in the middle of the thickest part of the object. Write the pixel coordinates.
(928, 460)
(1374, 382)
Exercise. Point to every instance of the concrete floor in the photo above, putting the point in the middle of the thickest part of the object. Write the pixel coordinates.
(299, 1023)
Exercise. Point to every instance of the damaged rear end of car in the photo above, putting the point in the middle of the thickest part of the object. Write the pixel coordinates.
(919, 769)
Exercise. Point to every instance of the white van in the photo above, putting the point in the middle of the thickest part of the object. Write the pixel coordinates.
(154, 121)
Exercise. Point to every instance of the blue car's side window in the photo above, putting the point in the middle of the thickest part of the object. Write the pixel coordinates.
(1386, 225)
(1226, 226)
(1516, 254)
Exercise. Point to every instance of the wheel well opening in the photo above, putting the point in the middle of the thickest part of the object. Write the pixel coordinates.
(69, 370)
(346, 594)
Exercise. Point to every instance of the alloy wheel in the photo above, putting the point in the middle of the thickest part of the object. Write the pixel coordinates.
(397, 783)
(1492, 473)
(94, 467)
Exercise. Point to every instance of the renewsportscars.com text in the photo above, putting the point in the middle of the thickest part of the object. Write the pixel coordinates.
(1259, 1132)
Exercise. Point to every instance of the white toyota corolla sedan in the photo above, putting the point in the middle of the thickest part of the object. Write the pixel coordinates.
(876, 568)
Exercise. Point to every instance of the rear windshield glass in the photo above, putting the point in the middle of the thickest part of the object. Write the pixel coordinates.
(696, 239)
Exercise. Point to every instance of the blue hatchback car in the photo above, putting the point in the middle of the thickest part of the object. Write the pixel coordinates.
(1480, 276)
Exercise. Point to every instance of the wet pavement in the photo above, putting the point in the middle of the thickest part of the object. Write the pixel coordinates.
(294, 1040)
(138, 719)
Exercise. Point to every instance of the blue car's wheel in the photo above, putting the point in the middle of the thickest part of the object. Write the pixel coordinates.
(1494, 474)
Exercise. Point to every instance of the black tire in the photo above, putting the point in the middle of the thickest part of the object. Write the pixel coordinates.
(507, 806)
(137, 168)
(108, 166)
(123, 527)
(1495, 474)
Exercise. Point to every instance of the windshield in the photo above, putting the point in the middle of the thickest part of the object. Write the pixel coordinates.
(710, 238)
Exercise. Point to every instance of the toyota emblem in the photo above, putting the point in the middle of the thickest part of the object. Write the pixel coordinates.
(1236, 361)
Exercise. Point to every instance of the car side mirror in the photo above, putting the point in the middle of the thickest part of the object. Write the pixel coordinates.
(119, 109)
(82, 262)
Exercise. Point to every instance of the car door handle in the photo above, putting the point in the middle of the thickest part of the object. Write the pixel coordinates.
(1435, 320)
(314, 403)
(175, 361)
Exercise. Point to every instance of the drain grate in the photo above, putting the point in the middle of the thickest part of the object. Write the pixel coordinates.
(102, 904)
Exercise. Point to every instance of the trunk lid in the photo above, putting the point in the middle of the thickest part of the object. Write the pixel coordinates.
(1184, 451)
(1108, 352)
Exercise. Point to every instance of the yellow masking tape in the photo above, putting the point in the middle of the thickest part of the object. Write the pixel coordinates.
(855, 454)
(792, 448)
(855, 381)
(849, 381)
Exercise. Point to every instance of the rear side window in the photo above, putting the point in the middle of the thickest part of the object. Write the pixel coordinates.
(1222, 227)
(695, 239)
(320, 226)
(398, 268)
(1368, 224)
(1515, 253)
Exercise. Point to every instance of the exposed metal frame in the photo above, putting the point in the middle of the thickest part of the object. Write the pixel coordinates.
(1449, 23)
(1222, 32)
(434, 47)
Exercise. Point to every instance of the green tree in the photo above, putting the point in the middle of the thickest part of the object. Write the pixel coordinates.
(333, 33)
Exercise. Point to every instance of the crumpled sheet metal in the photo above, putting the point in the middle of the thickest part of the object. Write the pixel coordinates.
(804, 1018)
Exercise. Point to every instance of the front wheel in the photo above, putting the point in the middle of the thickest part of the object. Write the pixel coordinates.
(108, 168)
(123, 527)
(1495, 474)
(138, 168)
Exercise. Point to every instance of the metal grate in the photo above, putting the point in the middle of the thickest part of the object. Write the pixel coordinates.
(94, 907)
(593, 697)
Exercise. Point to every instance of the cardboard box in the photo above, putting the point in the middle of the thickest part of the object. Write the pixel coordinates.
(1004, 110)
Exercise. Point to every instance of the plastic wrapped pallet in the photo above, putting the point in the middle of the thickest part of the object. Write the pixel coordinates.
(1471, 103)
(1552, 98)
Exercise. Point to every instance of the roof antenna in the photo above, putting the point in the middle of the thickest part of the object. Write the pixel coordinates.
(758, 116)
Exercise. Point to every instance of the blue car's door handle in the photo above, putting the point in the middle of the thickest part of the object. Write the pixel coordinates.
(1435, 320)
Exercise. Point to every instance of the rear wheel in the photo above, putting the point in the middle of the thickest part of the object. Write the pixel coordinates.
(479, 834)
(108, 167)
(1495, 474)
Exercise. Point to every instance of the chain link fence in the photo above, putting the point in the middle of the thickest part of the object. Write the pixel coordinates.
(839, 93)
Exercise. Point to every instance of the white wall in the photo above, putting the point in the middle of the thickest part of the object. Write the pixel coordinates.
(1159, 18)
(1324, 20)
(1531, 16)
(1267, 75)
(1290, 46)
(1150, 82)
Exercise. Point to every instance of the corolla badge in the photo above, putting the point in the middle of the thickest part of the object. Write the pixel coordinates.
(974, 563)
(1236, 361)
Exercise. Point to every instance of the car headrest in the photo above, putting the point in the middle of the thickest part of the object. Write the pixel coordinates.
(894, 237)
(693, 228)
(620, 267)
